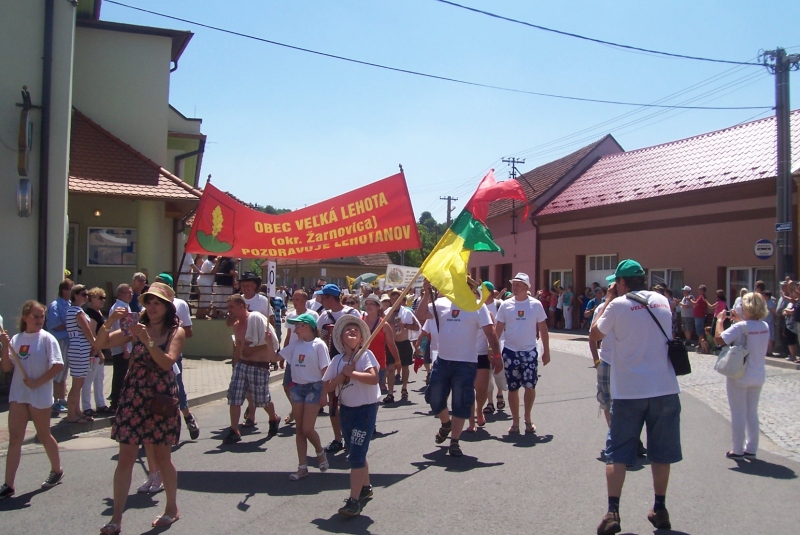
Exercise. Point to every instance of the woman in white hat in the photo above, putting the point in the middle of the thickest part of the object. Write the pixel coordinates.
(356, 381)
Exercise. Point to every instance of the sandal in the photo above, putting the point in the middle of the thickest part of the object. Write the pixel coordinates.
(470, 429)
(489, 408)
(404, 394)
(110, 529)
(89, 412)
(323, 464)
(289, 419)
(501, 403)
(248, 422)
(164, 521)
(529, 428)
(302, 471)
(455, 449)
(513, 430)
(481, 421)
(388, 399)
(443, 433)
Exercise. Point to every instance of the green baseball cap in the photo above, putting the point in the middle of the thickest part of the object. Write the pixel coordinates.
(489, 285)
(627, 268)
(166, 278)
(306, 318)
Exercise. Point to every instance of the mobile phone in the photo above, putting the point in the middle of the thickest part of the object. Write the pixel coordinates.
(125, 323)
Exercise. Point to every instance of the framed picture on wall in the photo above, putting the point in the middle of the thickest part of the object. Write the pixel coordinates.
(111, 247)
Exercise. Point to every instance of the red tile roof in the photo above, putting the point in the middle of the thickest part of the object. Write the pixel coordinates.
(377, 260)
(738, 154)
(537, 181)
(102, 164)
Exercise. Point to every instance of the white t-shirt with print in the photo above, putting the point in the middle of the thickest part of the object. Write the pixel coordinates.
(640, 367)
(459, 330)
(354, 393)
(259, 303)
(38, 352)
(521, 319)
(607, 347)
(307, 360)
(757, 342)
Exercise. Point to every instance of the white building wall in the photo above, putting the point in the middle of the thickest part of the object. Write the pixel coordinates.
(22, 39)
(122, 83)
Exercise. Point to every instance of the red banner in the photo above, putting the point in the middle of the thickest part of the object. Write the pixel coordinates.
(374, 219)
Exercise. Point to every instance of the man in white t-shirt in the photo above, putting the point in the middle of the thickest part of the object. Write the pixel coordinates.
(250, 284)
(402, 321)
(456, 367)
(333, 309)
(523, 320)
(644, 389)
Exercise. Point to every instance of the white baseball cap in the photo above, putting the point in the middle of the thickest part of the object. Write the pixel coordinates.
(522, 277)
(687, 288)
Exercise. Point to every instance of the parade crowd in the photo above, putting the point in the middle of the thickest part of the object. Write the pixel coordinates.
(321, 343)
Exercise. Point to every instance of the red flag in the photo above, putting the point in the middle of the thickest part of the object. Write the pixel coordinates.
(490, 190)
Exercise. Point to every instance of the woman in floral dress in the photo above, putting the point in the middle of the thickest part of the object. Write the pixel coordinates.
(157, 342)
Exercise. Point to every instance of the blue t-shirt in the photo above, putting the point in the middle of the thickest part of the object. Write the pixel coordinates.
(57, 315)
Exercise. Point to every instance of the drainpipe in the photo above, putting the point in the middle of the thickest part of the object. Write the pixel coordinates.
(537, 263)
(44, 155)
(182, 157)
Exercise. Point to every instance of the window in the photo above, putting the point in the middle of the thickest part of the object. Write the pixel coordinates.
(563, 276)
(598, 267)
(746, 277)
(669, 278)
(484, 273)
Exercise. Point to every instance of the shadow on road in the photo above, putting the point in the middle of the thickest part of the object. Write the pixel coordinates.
(20, 501)
(759, 467)
(274, 483)
(138, 500)
(338, 524)
(440, 458)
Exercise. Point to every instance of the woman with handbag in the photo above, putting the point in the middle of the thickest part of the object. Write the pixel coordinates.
(743, 392)
(147, 411)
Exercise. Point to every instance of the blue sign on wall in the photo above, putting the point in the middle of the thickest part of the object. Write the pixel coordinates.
(764, 249)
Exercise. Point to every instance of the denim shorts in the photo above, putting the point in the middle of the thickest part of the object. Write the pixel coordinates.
(700, 326)
(662, 417)
(308, 393)
(455, 376)
(358, 424)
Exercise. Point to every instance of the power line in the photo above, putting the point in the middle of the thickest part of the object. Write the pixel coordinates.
(428, 75)
(592, 39)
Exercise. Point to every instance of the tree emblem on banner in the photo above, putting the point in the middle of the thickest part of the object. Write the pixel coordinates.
(216, 240)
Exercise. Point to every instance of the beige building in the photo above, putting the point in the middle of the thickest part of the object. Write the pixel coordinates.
(122, 164)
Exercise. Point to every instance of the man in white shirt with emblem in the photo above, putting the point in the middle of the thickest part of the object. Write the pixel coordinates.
(644, 390)
(520, 318)
(456, 367)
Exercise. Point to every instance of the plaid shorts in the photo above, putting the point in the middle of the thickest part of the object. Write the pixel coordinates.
(604, 385)
(248, 378)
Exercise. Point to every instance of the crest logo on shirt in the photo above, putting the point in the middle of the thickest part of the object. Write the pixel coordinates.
(520, 313)
(300, 359)
(455, 313)
(24, 351)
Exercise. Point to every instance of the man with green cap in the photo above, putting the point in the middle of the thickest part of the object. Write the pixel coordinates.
(644, 390)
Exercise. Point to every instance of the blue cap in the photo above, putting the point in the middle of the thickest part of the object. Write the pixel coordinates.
(329, 289)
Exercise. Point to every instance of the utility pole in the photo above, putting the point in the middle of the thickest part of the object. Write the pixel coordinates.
(513, 175)
(779, 63)
(450, 209)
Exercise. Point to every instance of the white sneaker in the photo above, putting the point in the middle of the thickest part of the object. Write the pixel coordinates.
(157, 485)
(145, 487)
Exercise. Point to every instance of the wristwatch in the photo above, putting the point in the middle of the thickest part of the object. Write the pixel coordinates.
(151, 344)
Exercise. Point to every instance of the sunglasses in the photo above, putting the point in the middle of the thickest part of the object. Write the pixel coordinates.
(100, 297)
(83, 294)
(350, 303)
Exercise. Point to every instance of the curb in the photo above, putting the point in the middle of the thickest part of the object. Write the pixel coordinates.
(63, 431)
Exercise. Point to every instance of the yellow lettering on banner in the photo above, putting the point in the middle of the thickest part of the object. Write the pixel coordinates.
(320, 220)
(270, 228)
(367, 204)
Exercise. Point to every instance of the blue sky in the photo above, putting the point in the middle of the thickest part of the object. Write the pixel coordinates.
(290, 129)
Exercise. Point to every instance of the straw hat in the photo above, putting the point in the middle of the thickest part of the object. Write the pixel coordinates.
(344, 322)
(162, 291)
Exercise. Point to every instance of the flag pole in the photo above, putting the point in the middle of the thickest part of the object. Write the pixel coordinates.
(15, 358)
(386, 315)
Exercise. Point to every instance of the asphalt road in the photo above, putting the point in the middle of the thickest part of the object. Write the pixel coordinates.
(551, 482)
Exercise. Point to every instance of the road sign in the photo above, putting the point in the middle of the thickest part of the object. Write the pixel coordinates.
(764, 249)
(783, 227)
(269, 277)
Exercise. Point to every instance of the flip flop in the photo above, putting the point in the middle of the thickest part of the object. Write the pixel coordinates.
(529, 428)
(513, 430)
(110, 529)
(164, 520)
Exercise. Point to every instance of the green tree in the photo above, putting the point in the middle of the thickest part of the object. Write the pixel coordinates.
(430, 231)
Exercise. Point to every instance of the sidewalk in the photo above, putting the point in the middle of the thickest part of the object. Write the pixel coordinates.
(205, 380)
(777, 407)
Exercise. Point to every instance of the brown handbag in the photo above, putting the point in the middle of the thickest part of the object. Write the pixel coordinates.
(164, 405)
